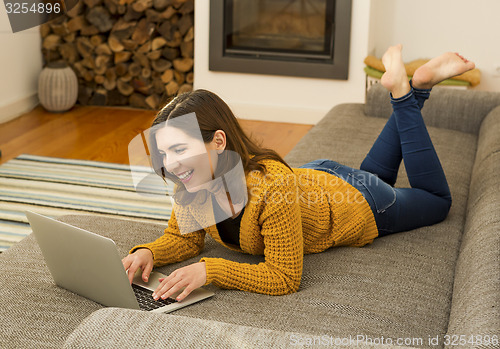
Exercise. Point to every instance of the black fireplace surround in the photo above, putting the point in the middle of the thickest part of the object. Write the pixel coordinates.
(306, 38)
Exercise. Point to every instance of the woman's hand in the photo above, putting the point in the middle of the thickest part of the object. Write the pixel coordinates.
(142, 258)
(191, 277)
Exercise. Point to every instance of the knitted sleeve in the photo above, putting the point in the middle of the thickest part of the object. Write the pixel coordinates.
(281, 230)
(173, 246)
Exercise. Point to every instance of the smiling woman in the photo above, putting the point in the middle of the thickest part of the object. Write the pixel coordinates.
(289, 212)
(182, 155)
(198, 124)
(196, 142)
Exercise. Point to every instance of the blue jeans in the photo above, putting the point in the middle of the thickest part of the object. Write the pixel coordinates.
(404, 136)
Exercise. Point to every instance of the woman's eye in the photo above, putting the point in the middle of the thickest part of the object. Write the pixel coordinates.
(180, 150)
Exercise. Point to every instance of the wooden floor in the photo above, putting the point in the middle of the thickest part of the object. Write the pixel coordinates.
(103, 133)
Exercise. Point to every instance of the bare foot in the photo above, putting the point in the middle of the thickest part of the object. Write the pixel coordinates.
(443, 67)
(395, 78)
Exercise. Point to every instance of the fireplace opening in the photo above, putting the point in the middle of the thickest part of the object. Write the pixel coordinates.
(308, 38)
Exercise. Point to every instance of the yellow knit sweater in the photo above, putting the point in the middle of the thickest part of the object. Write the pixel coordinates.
(288, 214)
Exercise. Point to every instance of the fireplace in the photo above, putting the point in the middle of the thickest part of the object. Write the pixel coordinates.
(307, 38)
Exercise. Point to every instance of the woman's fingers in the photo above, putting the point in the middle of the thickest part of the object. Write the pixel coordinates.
(146, 271)
(190, 278)
(131, 271)
(143, 259)
(184, 293)
(167, 287)
(128, 264)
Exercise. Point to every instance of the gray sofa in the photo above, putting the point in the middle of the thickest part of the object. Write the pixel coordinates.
(432, 287)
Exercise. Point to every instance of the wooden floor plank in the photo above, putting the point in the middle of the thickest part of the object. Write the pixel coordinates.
(103, 133)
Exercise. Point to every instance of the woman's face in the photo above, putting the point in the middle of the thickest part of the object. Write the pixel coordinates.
(188, 158)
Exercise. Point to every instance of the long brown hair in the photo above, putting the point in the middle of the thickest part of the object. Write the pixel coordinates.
(212, 114)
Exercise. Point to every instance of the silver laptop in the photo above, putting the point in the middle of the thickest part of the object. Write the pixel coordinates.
(89, 265)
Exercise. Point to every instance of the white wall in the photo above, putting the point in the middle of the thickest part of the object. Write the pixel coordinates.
(427, 28)
(280, 98)
(20, 65)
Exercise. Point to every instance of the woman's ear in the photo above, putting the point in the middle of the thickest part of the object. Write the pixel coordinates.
(219, 141)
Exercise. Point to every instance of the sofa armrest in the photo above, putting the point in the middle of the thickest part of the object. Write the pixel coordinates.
(475, 308)
(125, 328)
(460, 110)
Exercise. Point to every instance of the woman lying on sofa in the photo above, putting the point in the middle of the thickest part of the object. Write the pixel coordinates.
(286, 213)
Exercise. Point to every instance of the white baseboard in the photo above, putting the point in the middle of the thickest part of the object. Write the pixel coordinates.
(13, 110)
(295, 115)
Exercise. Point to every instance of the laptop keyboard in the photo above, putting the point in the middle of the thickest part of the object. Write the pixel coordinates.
(146, 301)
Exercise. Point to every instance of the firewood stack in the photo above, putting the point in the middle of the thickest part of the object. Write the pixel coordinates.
(136, 53)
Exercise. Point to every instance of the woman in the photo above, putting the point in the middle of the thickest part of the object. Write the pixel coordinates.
(292, 212)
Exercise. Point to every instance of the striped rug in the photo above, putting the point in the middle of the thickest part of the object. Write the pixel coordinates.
(55, 187)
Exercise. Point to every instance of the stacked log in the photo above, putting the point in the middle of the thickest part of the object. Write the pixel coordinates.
(136, 53)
